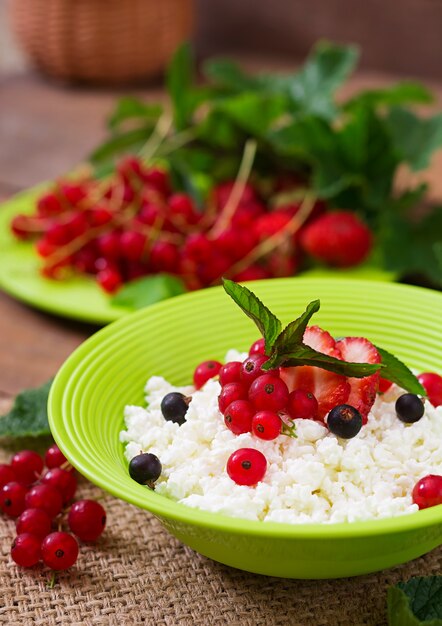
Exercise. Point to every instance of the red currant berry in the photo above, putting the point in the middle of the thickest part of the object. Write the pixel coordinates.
(25, 550)
(7, 474)
(302, 404)
(230, 373)
(64, 481)
(74, 193)
(428, 491)
(87, 519)
(251, 368)
(54, 457)
(35, 521)
(132, 245)
(158, 179)
(44, 248)
(181, 207)
(20, 227)
(384, 385)
(99, 216)
(197, 247)
(433, 386)
(246, 466)
(258, 347)
(204, 371)
(109, 279)
(266, 425)
(28, 466)
(44, 497)
(58, 234)
(59, 550)
(164, 256)
(268, 392)
(109, 245)
(230, 393)
(238, 416)
(49, 205)
(12, 499)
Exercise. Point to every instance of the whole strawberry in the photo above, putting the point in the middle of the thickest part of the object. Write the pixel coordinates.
(338, 238)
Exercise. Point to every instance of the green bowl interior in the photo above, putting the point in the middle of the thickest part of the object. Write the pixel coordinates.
(110, 370)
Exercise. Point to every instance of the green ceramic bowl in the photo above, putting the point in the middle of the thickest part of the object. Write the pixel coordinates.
(110, 369)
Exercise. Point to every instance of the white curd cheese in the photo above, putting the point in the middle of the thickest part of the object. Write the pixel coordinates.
(315, 477)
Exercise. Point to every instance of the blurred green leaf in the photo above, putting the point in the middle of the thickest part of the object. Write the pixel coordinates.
(129, 108)
(416, 602)
(148, 290)
(405, 92)
(29, 414)
(415, 138)
(129, 141)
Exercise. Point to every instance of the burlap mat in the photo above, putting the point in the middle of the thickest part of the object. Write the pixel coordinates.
(138, 574)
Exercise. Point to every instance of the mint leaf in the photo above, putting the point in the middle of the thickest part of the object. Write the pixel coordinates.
(399, 373)
(326, 68)
(404, 92)
(293, 334)
(179, 81)
(29, 415)
(133, 109)
(304, 355)
(417, 602)
(148, 290)
(416, 138)
(268, 324)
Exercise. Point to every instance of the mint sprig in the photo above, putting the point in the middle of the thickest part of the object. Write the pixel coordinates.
(268, 324)
(286, 348)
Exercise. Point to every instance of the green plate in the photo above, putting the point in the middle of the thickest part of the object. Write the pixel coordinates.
(110, 369)
(80, 297)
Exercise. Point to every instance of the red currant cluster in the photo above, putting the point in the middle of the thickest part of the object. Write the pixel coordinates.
(132, 224)
(256, 401)
(38, 499)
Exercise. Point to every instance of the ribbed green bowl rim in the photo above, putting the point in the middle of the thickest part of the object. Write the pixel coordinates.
(399, 317)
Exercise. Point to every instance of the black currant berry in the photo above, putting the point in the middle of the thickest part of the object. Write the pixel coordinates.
(145, 468)
(344, 421)
(174, 407)
(409, 408)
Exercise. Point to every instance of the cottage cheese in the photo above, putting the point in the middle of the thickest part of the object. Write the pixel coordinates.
(316, 477)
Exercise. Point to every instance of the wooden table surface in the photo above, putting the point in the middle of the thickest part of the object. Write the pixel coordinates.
(46, 129)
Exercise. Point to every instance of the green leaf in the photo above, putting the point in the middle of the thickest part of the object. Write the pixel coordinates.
(129, 108)
(404, 92)
(254, 112)
(219, 132)
(267, 323)
(131, 140)
(304, 355)
(417, 602)
(148, 290)
(399, 373)
(415, 138)
(179, 81)
(412, 248)
(326, 68)
(228, 74)
(293, 333)
(29, 415)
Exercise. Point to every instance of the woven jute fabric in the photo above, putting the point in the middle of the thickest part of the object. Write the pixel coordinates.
(138, 574)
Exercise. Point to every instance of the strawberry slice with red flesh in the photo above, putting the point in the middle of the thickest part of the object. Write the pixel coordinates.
(363, 390)
(329, 389)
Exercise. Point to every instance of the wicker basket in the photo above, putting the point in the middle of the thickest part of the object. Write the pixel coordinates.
(101, 41)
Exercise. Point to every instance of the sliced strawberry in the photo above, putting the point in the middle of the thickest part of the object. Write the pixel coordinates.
(363, 390)
(329, 389)
(321, 340)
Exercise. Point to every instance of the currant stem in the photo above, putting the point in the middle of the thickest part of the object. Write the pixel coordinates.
(244, 171)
